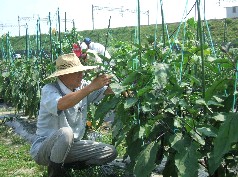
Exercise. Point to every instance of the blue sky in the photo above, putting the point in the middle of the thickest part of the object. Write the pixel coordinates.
(81, 13)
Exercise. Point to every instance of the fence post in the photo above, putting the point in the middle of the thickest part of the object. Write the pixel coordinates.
(27, 47)
(2, 48)
(59, 31)
(50, 32)
(37, 37)
(8, 46)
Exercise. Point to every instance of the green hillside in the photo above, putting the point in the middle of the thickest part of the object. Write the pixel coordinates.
(215, 30)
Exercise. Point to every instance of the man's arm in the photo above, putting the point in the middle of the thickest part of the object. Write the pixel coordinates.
(73, 98)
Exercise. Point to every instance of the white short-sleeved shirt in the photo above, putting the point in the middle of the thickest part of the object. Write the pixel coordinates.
(50, 119)
(100, 49)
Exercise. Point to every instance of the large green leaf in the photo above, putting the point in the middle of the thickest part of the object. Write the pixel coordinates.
(117, 89)
(117, 133)
(170, 168)
(219, 85)
(219, 117)
(144, 90)
(221, 61)
(130, 102)
(228, 103)
(197, 137)
(130, 78)
(132, 143)
(186, 158)
(227, 135)
(117, 126)
(105, 106)
(121, 119)
(206, 131)
(161, 75)
(139, 134)
(145, 162)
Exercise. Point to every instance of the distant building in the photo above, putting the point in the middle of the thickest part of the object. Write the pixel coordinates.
(232, 12)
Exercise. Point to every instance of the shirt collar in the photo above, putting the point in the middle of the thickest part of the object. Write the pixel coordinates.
(63, 88)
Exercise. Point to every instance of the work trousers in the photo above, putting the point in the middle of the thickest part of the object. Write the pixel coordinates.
(61, 147)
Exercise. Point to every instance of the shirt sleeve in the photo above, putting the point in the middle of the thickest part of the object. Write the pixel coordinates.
(97, 95)
(49, 99)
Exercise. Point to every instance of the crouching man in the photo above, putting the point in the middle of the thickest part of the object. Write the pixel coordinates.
(62, 119)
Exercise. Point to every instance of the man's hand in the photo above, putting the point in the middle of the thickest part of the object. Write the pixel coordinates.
(100, 81)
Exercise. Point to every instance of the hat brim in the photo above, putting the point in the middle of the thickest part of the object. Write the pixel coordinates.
(71, 70)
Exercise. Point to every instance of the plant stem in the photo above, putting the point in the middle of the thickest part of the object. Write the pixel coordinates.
(200, 32)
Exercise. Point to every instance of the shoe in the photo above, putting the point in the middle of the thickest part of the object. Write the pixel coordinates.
(79, 165)
(56, 170)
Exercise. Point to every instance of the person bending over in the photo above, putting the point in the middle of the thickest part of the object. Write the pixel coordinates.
(87, 46)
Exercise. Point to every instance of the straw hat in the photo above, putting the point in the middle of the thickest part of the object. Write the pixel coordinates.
(68, 63)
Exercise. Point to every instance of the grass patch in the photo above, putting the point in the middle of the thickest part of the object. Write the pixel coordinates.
(15, 159)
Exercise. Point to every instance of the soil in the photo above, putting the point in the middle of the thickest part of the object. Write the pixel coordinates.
(22, 125)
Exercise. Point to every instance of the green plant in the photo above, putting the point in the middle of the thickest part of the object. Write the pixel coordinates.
(173, 110)
(21, 83)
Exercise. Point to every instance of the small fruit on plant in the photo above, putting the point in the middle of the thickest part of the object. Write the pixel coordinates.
(89, 123)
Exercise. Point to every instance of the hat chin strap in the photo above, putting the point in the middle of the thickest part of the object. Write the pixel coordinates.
(64, 81)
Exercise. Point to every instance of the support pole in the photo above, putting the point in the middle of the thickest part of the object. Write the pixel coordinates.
(8, 46)
(73, 24)
(37, 37)
(19, 26)
(148, 17)
(163, 25)
(40, 43)
(65, 22)
(27, 44)
(3, 56)
(51, 48)
(93, 16)
(59, 31)
(200, 35)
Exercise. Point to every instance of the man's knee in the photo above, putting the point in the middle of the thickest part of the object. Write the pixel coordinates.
(114, 151)
(67, 133)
